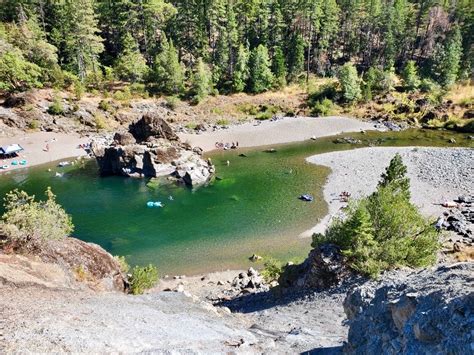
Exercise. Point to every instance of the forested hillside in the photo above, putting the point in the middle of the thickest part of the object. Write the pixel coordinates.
(201, 47)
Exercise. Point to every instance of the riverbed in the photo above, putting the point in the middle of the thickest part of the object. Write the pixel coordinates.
(252, 207)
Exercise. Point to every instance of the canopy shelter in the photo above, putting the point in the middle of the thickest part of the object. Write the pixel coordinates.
(11, 150)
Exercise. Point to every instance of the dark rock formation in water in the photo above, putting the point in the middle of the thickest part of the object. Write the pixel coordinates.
(428, 312)
(151, 149)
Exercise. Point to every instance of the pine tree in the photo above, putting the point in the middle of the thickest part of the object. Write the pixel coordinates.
(349, 82)
(448, 58)
(261, 77)
(130, 64)
(279, 67)
(83, 44)
(201, 81)
(241, 70)
(410, 76)
(395, 176)
(295, 57)
(169, 73)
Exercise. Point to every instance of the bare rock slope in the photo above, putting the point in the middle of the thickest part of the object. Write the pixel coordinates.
(427, 312)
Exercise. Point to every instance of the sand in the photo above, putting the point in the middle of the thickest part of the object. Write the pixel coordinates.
(436, 175)
(291, 129)
(61, 146)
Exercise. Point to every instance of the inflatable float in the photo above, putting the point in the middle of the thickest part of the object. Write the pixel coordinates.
(154, 204)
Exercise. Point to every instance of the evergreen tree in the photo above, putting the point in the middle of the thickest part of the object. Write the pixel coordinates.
(83, 44)
(395, 176)
(131, 64)
(279, 67)
(261, 77)
(349, 82)
(448, 58)
(241, 70)
(295, 57)
(168, 73)
(201, 83)
(410, 76)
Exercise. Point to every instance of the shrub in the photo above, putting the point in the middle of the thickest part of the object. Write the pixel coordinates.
(56, 108)
(100, 121)
(222, 122)
(322, 108)
(143, 278)
(172, 102)
(384, 230)
(34, 124)
(272, 270)
(104, 105)
(124, 266)
(327, 91)
(32, 223)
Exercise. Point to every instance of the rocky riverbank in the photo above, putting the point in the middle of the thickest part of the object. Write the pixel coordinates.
(437, 175)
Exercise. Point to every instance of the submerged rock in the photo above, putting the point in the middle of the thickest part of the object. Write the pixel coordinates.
(151, 149)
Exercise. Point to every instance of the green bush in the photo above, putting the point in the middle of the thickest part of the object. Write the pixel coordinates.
(124, 266)
(100, 121)
(34, 124)
(272, 270)
(222, 122)
(327, 91)
(105, 105)
(143, 278)
(56, 108)
(322, 108)
(32, 223)
(172, 102)
(384, 230)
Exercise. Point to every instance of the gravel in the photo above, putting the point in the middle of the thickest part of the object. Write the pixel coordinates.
(436, 174)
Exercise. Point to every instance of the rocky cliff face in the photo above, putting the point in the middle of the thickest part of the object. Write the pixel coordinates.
(427, 312)
(151, 148)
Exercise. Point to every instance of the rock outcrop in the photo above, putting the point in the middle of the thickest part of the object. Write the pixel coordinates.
(151, 149)
(323, 268)
(67, 263)
(427, 312)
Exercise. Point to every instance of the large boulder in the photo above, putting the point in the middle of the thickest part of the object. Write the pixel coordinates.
(152, 126)
(90, 262)
(152, 149)
(324, 267)
(428, 312)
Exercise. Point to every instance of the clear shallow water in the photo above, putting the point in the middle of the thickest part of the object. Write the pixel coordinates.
(253, 209)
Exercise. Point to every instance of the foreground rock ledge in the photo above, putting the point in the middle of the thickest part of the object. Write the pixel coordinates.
(427, 312)
(150, 148)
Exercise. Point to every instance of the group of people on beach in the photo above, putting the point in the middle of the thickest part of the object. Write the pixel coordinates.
(226, 146)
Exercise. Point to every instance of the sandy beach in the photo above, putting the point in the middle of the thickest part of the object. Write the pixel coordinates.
(286, 130)
(436, 175)
(61, 146)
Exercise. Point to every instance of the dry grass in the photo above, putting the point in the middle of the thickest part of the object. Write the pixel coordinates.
(462, 94)
(466, 254)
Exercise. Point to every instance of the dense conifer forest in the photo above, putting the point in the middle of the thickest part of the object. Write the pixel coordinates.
(198, 47)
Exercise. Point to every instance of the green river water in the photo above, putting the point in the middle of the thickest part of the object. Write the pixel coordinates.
(253, 209)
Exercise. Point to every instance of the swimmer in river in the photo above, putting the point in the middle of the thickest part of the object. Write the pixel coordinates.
(228, 163)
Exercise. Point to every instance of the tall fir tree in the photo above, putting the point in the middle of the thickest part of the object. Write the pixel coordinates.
(261, 77)
(447, 59)
(201, 81)
(130, 65)
(279, 67)
(241, 70)
(295, 57)
(168, 71)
